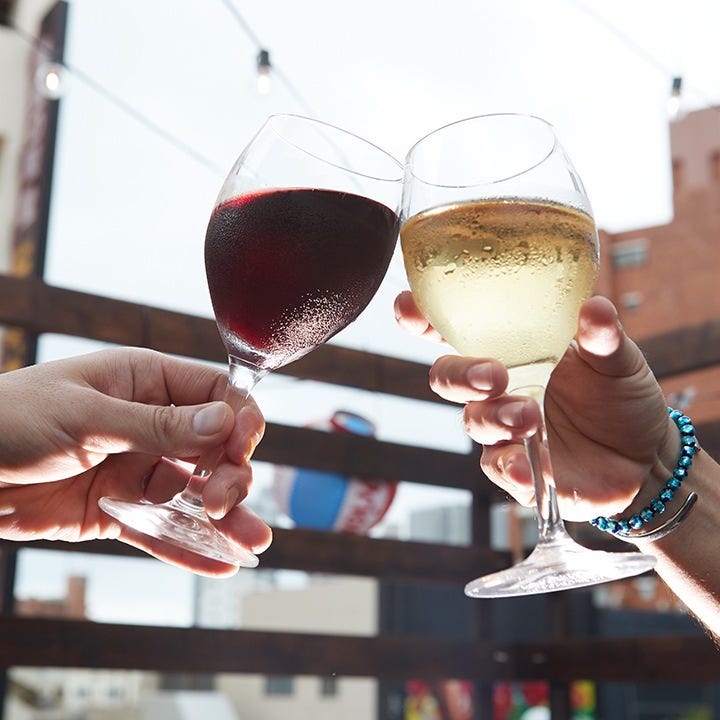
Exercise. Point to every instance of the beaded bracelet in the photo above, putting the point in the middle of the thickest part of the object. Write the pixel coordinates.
(623, 527)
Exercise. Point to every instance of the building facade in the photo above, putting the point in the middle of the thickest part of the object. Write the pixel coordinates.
(667, 278)
(328, 605)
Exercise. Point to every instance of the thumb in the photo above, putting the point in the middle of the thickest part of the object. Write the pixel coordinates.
(602, 342)
(165, 429)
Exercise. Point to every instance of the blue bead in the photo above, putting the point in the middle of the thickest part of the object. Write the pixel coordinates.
(647, 514)
(667, 494)
(688, 451)
(657, 505)
(688, 440)
(623, 526)
(684, 462)
(673, 483)
(687, 429)
(683, 420)
(612, 526)
(636, 522)
(602, 523)
(674, 414)
(680, 473)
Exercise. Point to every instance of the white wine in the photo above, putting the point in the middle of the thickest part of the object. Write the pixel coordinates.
(503, 278)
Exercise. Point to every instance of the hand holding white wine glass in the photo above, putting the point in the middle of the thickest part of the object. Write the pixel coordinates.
(500, 249)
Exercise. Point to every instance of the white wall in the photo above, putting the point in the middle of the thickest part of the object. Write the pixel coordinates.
(342, 606)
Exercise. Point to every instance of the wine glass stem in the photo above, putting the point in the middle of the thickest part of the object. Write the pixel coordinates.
(242, 378)
(550, 525)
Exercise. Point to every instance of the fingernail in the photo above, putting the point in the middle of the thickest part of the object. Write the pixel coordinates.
(231, 498)
(480, 376)
(210, 419)
(511, 415)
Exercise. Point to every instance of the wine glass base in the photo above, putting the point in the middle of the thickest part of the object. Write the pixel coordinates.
(552, 567)
(191, 531)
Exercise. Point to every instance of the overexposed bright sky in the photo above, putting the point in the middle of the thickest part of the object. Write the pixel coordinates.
(130, 209)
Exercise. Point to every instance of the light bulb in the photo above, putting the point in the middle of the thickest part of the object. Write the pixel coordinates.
(263, 72)
(50, 80)
(263, 82)
(674, 99)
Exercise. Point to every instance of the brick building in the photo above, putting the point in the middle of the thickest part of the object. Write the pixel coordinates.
(71, 606)
(667, 278)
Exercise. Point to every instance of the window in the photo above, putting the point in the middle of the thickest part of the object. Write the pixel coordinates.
(682, 399)
(279, 685)
(715, 166)
(328, 686)
(677, 175)
(628, 253)
(631, 300)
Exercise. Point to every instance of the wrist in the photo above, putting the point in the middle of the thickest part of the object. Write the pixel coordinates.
(632, 527)
(662, 468)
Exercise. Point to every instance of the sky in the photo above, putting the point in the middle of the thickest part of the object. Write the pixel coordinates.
(130, 207)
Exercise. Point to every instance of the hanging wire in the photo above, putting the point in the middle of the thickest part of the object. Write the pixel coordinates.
(255, 40)
(124, 106)
(640, 51)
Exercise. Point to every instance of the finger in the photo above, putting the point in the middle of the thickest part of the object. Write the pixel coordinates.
(504, 419)
(231, 479)
(411, 319)
(168, 477)
(247, 432)
(228, 485)
(175, 555)
(120, 426)
(153, 378)
(508, 467)
(460, 379)
(603, 344)
(245, 528)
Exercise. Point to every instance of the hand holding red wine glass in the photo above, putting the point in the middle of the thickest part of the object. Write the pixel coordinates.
(299, 241)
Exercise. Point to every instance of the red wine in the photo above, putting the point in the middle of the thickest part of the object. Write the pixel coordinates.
(287, 269)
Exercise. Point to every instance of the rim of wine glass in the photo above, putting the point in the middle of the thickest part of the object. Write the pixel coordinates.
(549, 126)
(394, 160)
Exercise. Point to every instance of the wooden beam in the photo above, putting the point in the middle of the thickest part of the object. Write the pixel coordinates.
(35, 306)
(362, 457)
(32, 305)
(338, 553)
(39, 642)
(708, 434)
(6, 9)
(34, 642)
(693, 659)
(694, 347)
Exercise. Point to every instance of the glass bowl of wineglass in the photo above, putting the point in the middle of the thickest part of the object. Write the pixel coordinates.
(501, 250)
(298, 242)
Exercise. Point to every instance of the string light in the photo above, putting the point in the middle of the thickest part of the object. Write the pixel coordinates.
(263, 72)
(276, 71)
(641, 52)
(50, 80)
(674, 100)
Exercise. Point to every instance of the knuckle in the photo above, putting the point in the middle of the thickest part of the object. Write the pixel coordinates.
(164, 422)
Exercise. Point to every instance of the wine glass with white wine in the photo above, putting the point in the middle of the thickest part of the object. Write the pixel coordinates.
(501, 250)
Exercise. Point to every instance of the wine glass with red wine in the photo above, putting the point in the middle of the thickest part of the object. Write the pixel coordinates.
(298, 243)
